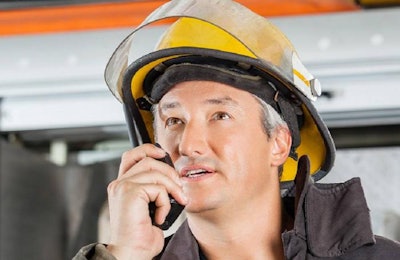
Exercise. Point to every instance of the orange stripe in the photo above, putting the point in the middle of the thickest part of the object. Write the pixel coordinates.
(78, 17)
(270, 8)
(131, 14)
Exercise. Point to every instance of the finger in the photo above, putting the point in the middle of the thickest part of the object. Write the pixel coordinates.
(162, 202)
(149, 164)
(172, 186)
(135, 155)
(129, 208)
(138, 196)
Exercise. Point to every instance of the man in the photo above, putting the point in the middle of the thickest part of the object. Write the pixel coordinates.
(226, 96)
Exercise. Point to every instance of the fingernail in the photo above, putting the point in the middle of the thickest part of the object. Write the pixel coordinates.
(159, 146)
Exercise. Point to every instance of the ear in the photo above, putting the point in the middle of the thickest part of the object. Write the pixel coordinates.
(282, 141)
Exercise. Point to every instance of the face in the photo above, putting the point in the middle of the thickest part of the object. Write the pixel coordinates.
(214, 135)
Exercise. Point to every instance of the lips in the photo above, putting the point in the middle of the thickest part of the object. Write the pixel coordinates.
(195, 172)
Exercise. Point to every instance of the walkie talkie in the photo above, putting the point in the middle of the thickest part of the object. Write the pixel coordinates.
(176, 208)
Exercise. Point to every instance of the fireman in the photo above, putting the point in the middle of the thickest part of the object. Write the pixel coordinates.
(225, 94)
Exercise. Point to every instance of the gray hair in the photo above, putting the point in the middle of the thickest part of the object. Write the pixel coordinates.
(270, 118)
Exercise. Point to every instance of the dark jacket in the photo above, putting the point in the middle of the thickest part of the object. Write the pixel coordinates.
(331, 222)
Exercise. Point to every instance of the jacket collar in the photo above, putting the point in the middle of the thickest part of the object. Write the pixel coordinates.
(331, 219)
(182, 245)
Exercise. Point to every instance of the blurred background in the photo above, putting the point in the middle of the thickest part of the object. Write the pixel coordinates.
(62, 132)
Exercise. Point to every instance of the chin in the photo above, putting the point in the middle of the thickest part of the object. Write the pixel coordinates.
(199, 205)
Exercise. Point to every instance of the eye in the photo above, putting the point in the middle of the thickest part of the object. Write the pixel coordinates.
(221, 116)
(173, 121)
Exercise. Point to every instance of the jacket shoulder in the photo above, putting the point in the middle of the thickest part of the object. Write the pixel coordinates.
(383, 249)
(386, 248)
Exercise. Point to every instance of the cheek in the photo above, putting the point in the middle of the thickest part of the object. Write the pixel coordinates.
(237, 148)
(243, 137)
(248, 149)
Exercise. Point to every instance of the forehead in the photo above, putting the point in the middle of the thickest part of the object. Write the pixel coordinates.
(205, 92)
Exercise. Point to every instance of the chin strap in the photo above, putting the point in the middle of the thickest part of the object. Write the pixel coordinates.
(292, 198)
(302, 176)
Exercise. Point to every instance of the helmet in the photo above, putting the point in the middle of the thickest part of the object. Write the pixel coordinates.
(223, 35)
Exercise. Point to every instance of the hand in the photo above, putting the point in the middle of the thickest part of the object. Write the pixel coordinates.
(141, 180)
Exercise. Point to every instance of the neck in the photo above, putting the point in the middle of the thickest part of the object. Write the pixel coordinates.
(252, 231)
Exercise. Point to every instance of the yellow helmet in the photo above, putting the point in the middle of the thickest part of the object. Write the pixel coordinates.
(222, 33)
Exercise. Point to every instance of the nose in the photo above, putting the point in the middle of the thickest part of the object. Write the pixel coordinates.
(193, 140)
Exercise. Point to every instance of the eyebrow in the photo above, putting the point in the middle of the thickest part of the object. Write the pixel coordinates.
(166, 106)
(226, 101)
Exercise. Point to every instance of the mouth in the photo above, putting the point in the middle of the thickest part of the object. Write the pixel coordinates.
(195, 172)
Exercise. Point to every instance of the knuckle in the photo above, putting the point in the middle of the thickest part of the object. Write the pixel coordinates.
(112, 186)
(123, 187)
(125, 156)
(148, 146)
(119, 187)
